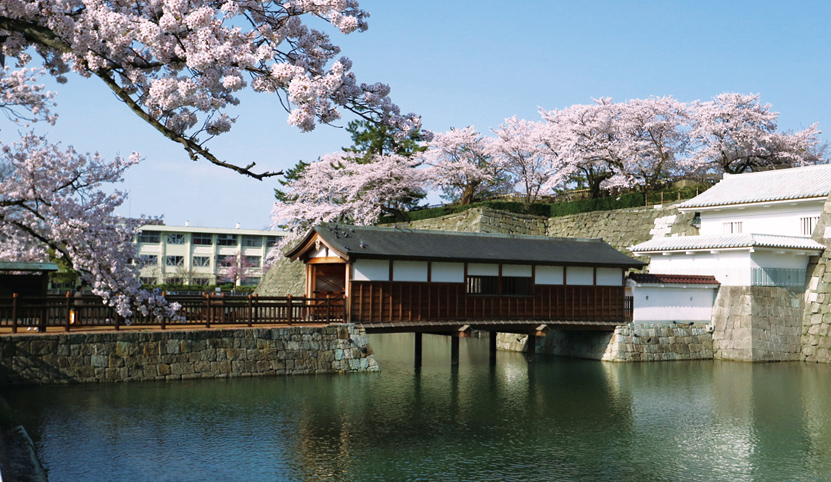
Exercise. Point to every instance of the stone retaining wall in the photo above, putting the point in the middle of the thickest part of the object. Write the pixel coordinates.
(173, 355)
(625, 227)
(283, 278)
(628, 343)
(758, 323)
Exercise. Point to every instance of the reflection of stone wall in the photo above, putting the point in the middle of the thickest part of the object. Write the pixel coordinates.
(757, 323)
(628, 343)
(182, 354)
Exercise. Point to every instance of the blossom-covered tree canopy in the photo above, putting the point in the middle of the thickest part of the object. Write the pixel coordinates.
(179, 64)
(51, 201)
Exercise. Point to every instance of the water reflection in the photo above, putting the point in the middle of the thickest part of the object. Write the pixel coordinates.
(551, 419)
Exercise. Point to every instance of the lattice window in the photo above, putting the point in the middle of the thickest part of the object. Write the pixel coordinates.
(202, 261)
(732, 227)
(175, 238)
(174, 261)
(807, 225)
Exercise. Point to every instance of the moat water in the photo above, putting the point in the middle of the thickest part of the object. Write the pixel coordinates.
(552, 419)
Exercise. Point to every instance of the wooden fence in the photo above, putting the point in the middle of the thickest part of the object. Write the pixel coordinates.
(86, 311)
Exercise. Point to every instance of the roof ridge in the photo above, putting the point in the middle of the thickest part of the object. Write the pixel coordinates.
(455, 233)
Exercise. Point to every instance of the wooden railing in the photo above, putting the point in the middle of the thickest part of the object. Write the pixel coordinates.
(72, 312)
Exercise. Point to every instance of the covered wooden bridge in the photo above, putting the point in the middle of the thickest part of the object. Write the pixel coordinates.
(420, 281)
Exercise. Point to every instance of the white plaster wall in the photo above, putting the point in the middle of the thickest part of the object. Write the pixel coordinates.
(783, 219)
(518, 270)
(655, 304)
(371, 270)
(323, 252)
(579, 275)
(447, 272)
(409, 271)
(548, 275)
(480, 269)
(609, 276)
(731, 268)
(771, 259)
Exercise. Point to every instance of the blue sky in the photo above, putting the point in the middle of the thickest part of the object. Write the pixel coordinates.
(460, 63)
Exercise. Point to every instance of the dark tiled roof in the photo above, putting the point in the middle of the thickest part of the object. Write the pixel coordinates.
(401, 243)
(675, 279)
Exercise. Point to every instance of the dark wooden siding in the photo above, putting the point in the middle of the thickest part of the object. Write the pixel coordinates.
(386, 301)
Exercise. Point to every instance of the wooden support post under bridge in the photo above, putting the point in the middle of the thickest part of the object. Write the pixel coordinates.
(418, 348)
(492, 347)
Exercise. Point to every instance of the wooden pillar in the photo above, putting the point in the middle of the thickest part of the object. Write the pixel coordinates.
(418, 347)
(492, 347)
(454, 350)
(531, 345)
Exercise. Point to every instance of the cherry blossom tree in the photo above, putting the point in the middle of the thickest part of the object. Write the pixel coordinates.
(463, 164)
(735, 133)
(236, 269)
(180, 65)
(653, 135)
(521, 145)
(51, 200)
(343, 187)
(585, 141)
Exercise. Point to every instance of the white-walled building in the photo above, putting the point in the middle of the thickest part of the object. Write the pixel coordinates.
(668, 298)
(198, 255)
(755, 229)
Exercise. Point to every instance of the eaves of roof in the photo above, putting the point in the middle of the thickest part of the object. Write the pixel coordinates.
(356, 242)
(799, 183)
(727, 241)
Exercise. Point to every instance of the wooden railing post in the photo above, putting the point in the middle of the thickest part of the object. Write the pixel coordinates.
(222, 311)
(250, 310)
(210, 311)
(328, 310)
(257, 307)
(43, 315)
(288, 308)
(117, 318)
(14, 313)
(68, 310)
(206, 314)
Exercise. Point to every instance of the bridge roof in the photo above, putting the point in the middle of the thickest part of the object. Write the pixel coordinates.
(356, 242)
